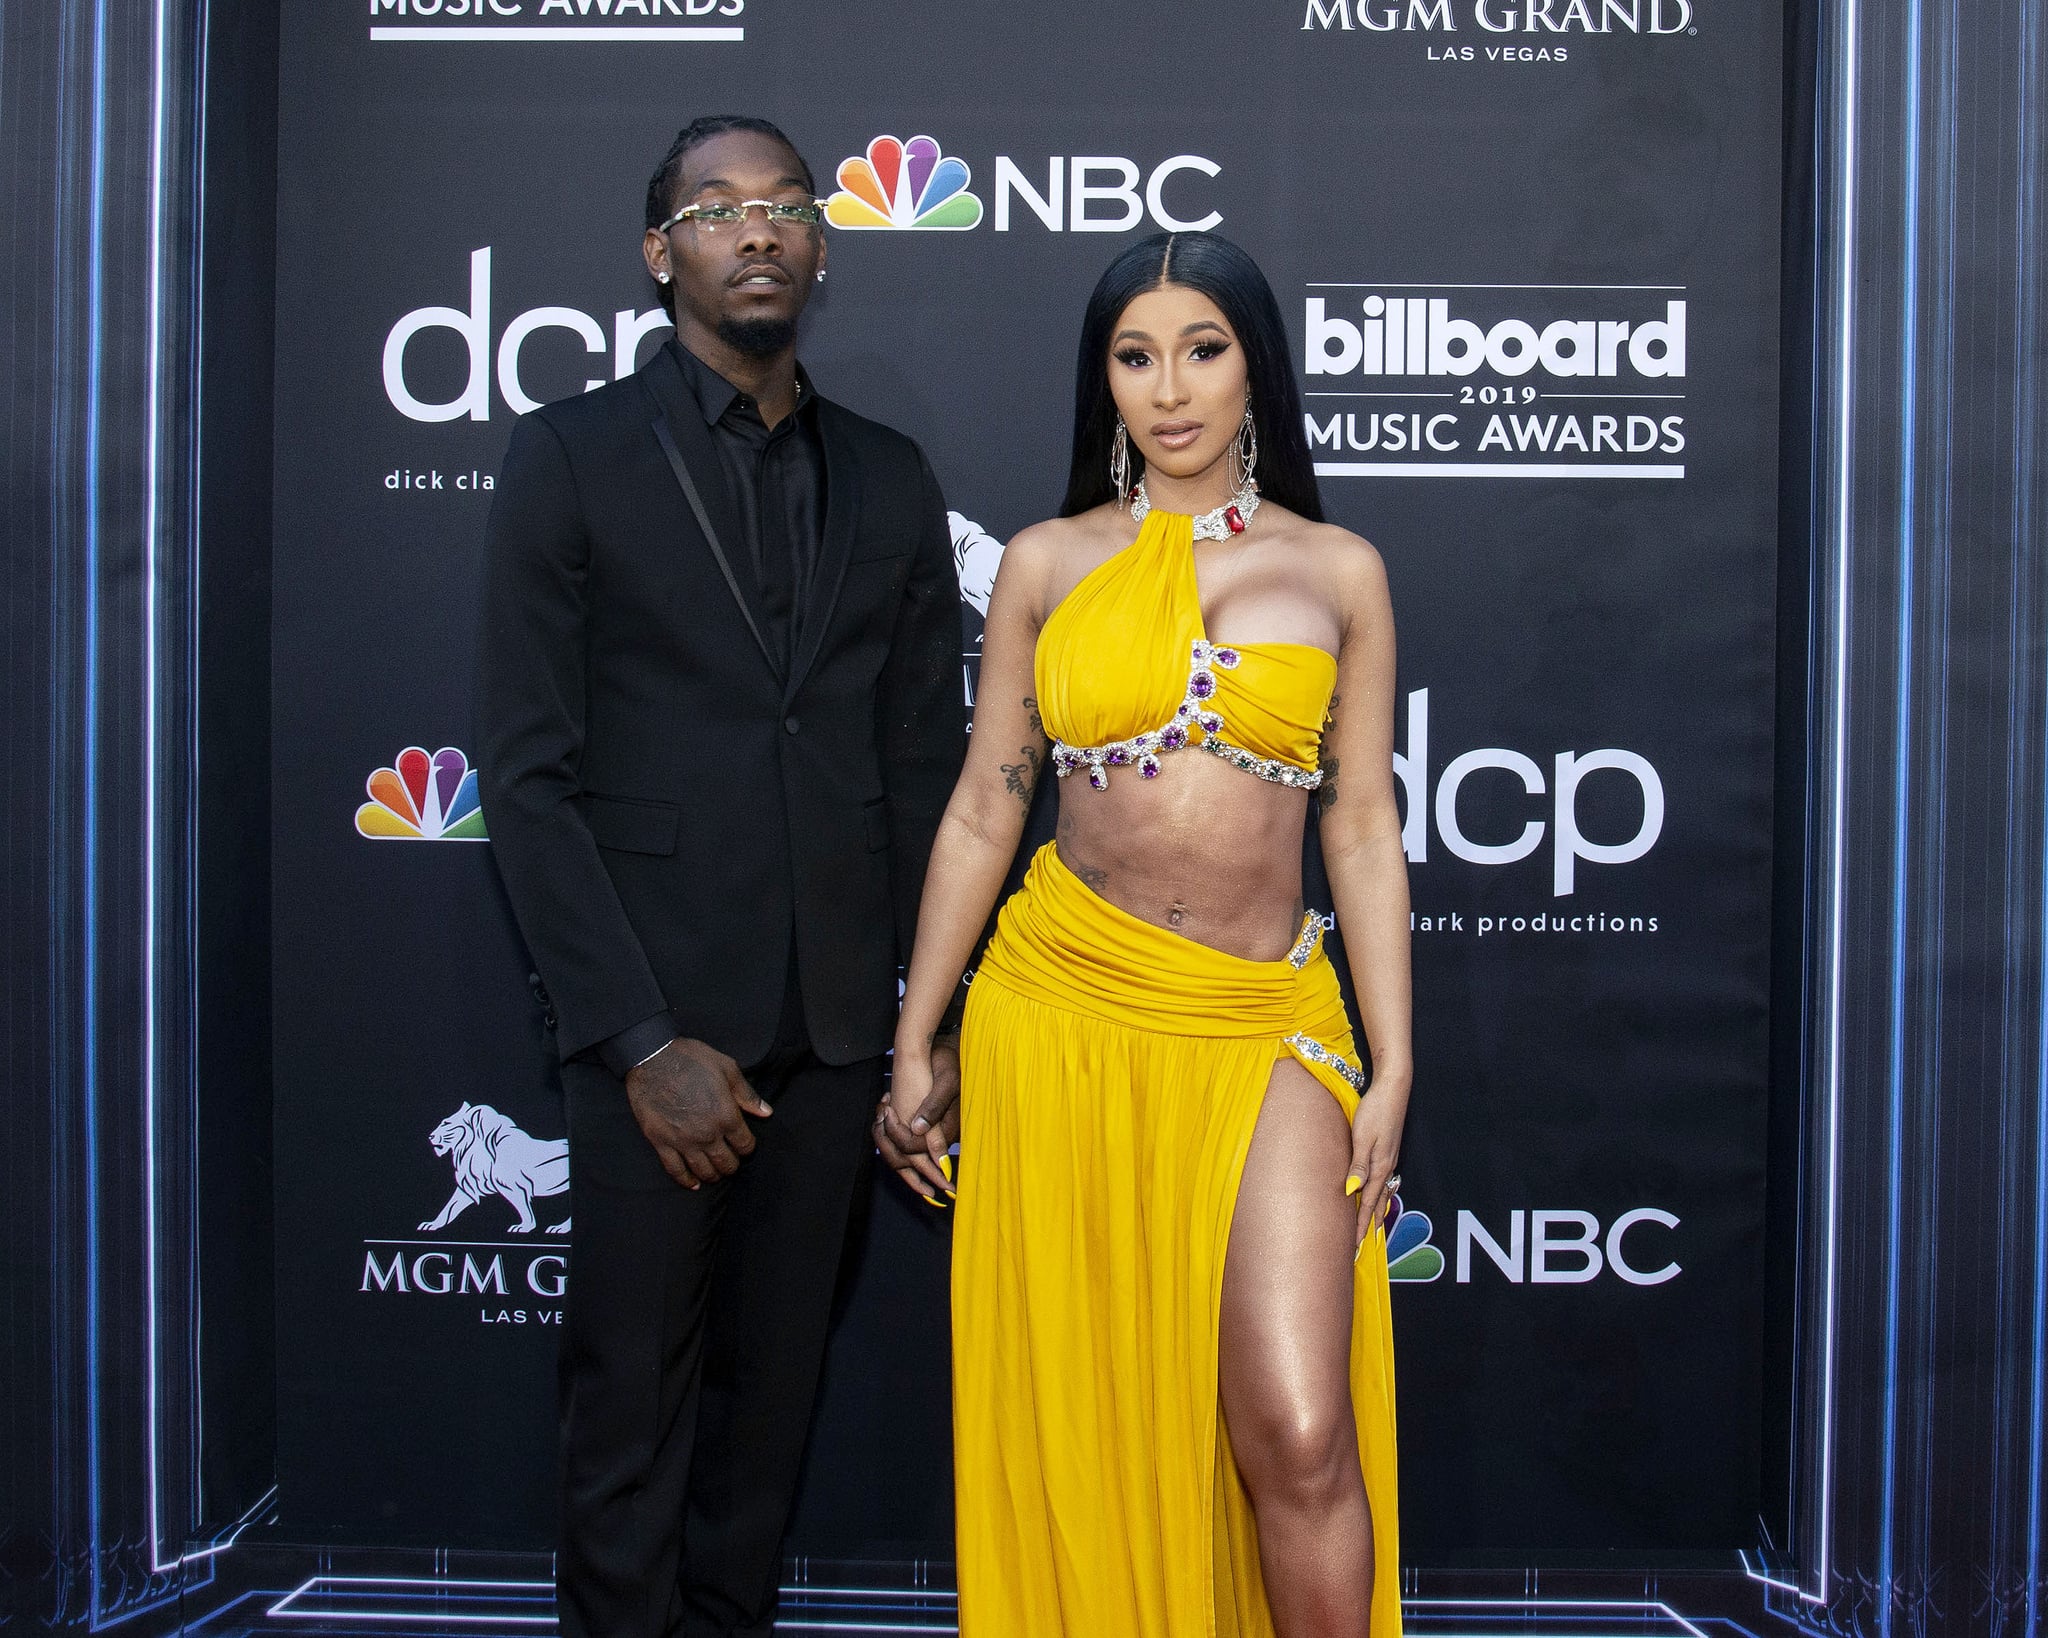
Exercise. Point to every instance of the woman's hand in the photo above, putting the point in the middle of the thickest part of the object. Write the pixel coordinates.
(917, 1123)
(1376, 1148)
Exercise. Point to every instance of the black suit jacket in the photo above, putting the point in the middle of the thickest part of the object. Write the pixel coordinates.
(666, 806)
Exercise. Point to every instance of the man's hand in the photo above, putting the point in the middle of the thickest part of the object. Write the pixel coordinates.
(919, 1121)
(690, 1100)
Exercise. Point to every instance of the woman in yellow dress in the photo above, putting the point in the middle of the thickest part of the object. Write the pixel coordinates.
(1173, 1364)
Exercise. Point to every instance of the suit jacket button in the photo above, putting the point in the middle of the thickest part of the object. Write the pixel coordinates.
(790, 723)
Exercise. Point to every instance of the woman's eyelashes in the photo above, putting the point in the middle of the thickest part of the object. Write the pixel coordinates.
(1202, 352)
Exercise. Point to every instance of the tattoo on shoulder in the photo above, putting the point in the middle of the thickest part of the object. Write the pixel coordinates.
(1097, 879)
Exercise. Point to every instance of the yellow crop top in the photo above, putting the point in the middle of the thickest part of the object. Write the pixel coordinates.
(1125, 672)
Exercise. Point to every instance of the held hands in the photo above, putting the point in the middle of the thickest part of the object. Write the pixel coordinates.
(1375, 1148)
(919, 1121)
(690, 1100)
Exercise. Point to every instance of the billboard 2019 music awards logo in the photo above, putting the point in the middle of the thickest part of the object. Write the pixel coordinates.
(1495, 380)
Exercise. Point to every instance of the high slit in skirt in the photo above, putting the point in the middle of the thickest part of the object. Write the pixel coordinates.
(1111, 1075)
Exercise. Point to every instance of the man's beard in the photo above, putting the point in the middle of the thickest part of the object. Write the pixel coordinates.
(757, 337)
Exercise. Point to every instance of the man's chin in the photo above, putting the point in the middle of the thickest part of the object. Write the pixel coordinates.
(757, 337)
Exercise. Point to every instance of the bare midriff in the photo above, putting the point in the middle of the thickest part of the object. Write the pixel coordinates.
(1204, 850)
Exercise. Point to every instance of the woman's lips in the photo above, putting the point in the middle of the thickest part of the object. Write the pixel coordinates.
(1177, 434)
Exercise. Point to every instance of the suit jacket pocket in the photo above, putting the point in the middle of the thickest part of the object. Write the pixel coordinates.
(876, 817)
(632, 826)
(881, 544)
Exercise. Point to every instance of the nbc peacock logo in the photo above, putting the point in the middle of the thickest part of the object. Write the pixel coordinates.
(423, 797)
(899, 184)
(1410, 1256)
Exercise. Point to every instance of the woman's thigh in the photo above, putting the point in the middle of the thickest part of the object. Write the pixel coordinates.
(1285, 1338)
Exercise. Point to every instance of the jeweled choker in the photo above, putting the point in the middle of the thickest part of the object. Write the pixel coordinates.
(1233, 517)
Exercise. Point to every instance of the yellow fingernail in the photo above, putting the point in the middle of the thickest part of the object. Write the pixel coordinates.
(933, 1200)
(946, 1166)
(1352, 1185)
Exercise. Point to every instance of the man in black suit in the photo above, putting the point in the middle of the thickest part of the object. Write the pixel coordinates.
(720, 715)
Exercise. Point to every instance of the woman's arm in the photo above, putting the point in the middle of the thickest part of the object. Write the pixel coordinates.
(1361, 836)
(976, 842)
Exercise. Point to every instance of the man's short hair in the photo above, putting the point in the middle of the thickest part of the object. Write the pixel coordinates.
(661, 187)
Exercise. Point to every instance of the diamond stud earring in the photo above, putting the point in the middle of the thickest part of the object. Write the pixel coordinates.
(662, 277)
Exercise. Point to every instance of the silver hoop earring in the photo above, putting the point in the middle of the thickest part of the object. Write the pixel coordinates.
(1120, 461)
(1245, 452)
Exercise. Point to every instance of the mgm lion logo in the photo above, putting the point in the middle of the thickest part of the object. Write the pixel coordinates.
(492, 1156)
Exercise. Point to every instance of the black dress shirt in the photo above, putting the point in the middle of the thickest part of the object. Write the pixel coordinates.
(777, 478)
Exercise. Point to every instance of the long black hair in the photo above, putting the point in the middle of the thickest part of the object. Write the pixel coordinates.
(1211, 264)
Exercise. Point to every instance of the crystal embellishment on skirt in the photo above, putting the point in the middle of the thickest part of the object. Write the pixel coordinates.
(1313, 926)
(1313, 1050)
(1205, 660)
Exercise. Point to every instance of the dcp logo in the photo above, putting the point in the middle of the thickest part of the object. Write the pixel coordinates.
(628, 330)
(1569, 844)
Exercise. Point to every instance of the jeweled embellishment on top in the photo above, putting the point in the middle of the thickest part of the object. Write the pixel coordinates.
(1143, 750)
(1264, 767)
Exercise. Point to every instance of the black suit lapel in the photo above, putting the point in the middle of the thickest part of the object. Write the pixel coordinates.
(842, 521)
(686, 445)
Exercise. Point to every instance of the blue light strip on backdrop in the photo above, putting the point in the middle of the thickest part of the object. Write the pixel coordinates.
(1838, 728)
(1902, 784)
(151, 543)
(167, 300)
(2026, 419)
(89, 850)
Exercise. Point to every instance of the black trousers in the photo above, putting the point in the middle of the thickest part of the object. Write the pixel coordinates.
(690, 1358)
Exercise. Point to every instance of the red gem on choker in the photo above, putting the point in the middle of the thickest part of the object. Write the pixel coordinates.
(1234, 519)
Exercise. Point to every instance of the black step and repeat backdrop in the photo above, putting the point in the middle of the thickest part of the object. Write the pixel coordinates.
(1527, 252)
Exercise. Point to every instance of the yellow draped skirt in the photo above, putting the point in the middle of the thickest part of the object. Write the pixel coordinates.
(1112, 1073)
